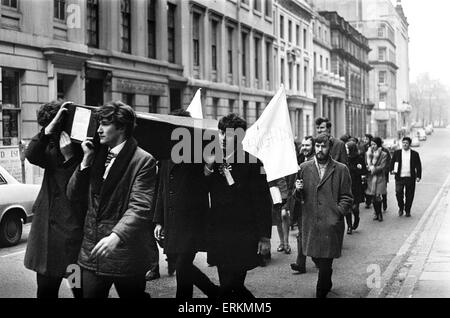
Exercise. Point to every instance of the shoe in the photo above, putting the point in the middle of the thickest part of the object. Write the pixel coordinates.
(380, 218)
(298, 269)
(375, 217)
(408, 214)
(287, 249)
(349, 230)
(355, 224)
(151, 275)
(280, 248)
(400, 212)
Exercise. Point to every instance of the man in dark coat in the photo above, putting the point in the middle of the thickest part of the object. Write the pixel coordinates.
(57, 229)
(240, 220)
(324, 188)
(337, 150)
(181, 207)
(117, 178)
(406, 166)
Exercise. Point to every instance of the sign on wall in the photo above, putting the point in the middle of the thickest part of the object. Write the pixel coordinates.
(10, 161)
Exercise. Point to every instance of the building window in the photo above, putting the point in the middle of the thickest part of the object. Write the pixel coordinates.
(244, 54)
(308, 125)
(128, 99)
(383, 97)
(290, 30)
(245, 109)
(214, 29)
(326, 63)
(153, 103)
(257, 41)
(381, 54)
(92, 23)
(151, 29)
(321, 62)
(258, 109)
(297, 35)
(282, 71)
(10, 3)
(319, 33)
(268, 57)
(304, 39)
(125, 13)
(59, 9)
(305, 79)
(268, 8)
(298, 77)
(230, 50)
(290, 70)
(196, 38)
(231, 105)
(171, 31)
(393, 80)
(10, 107)
(382, 31)
(215, 107)
(257, 5)
(281, 27)
(382, 77)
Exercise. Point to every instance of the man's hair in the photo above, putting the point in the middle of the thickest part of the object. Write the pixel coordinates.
(321, 120)
(352, 149)
(180, 113)
(378, 141)
(345, 138)
(323, 138)
(369, 136)
(232, 121)
(310, 138)
(119, 114)
(48, 111)
(408, 139)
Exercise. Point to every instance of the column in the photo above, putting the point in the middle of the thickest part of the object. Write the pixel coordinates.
(139, 28)
(161, 30)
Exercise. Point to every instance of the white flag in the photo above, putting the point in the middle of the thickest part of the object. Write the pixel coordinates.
(270, 139)
(195, 108)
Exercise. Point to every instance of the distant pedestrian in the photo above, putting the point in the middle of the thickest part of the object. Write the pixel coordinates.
(357, 167)
(324, 188)
(365, 146)
(337, 151)
(386, 173)
(407, 168)
(57, 229)
(117, 180)
(376, 160)
(240, 219)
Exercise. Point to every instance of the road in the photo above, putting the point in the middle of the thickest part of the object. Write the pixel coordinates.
(372, 246)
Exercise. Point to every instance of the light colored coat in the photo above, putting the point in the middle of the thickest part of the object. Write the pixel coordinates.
(326, 201)
(376, 181)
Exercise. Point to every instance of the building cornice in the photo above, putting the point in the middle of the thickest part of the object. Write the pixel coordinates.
(387, 63)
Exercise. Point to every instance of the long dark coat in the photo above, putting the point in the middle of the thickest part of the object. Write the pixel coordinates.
(121, 204)
(240, 216)
(181, 207)
(338, 151)
(57, 229)
(326, 202)
(356, 173)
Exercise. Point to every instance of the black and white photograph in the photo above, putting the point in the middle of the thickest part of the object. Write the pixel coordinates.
(232, 152)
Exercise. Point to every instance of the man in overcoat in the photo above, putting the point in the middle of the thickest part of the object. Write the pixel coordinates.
(180, 216)
(57, 229)
(326, 198)
(117, 178)
(240, 220)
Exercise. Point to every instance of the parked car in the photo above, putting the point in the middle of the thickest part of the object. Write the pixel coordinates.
(421, 134)
(415, 142)
(16, 202)
(391, 144)
(429, 129)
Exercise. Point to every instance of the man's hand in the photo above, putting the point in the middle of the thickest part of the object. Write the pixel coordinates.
(264, 246)
(54, 123)
(209, 164)
(158, 232)
(88, 150)
(418, 179)
(372, 169)
(65, 145)
(106, 246)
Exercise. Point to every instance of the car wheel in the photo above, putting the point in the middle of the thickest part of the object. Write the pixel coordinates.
(10, 230)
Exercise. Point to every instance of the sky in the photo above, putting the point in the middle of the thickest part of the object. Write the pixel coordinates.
(429, 47)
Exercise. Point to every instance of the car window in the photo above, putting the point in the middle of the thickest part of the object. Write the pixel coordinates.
(2, 180)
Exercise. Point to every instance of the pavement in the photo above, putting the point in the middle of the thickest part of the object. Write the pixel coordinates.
(421, 268)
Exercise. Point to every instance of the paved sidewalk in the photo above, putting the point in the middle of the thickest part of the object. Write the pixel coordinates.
(423, 265)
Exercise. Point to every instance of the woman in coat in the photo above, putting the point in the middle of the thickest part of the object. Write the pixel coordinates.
(57, 229)
(357, 167)
(376, 160)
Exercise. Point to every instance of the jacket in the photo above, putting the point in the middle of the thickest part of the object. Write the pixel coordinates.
(415, 163)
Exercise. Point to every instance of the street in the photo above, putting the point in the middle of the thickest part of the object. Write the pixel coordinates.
(369, 250)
